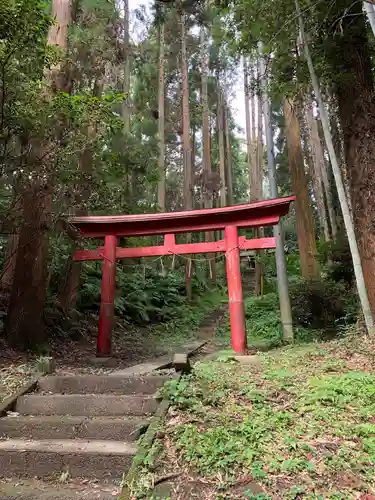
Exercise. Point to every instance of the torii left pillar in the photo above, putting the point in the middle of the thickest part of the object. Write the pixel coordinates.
(107, 304)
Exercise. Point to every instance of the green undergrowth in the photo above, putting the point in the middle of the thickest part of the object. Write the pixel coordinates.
(320, 310)
(181, 327)
(186, 319)
(134, 342)
(299, 424)
(263, 325)
(144, 294)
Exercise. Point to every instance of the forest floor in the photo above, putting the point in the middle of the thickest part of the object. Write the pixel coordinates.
(298, 424)
(72, 351)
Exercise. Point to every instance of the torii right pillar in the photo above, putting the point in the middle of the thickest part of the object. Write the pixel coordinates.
(236, 305)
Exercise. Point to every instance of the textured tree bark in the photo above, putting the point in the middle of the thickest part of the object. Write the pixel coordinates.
(304, 218)
(228, 172)
(338, 143)
(359, 143)
(248, 125)
(252, 142)
(7, 272)
(258, 187)
(254, 138)
(347, 217)
(356, 104)
(206, 137)
(24, 324)
(130, 176)
(161, 125)
(126, 86)
(220, 131)
(315, 174)
(9, 266)
(186, 145)
(259, 149)
(321, 167)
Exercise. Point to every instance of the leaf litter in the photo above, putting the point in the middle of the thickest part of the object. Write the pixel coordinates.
(302, 427)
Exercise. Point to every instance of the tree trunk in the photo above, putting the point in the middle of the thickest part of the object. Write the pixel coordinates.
(126, 86)
(319, 197)
(130, 178)
(304, 218)
(338, 143)
(349, 226)
(193, 153)
(320, 166)
(316, 173)
(258, 188)
(10, 259)
(24, 324)
(220, 131)
(206, 139)
(248, 125)
(161, 125)
(7, 272)
(229, 173)
(356, 104)
(186, 144)
(259, 150)
(254, 139)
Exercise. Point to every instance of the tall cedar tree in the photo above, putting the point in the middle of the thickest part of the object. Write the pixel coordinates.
(24, 323)
(304, 218)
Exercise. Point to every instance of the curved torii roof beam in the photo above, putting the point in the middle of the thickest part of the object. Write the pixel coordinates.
(262, 213)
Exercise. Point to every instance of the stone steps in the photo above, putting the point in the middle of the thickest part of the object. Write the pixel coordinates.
(85, 427)
(97, 384)
(40, 490)
(85, 405)
(72, 427)
(80, 458)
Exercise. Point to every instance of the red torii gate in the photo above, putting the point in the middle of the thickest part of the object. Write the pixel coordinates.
(229, 219)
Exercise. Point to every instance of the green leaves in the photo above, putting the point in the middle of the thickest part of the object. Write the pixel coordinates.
(23, 25)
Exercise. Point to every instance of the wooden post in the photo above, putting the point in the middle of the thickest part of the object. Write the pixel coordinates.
(107, 304)
(236, 306)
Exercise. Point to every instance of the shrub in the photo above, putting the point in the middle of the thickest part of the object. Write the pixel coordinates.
(263, 321)
(143, 296)
(318, 305)
(338, 262)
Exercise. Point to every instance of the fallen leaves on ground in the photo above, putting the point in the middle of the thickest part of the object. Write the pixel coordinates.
(13, 375)
(302, 427)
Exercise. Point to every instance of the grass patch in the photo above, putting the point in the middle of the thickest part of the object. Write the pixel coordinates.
(300, 425)
(263, 325)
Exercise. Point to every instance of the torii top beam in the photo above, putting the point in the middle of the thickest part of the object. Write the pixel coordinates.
(262, 213)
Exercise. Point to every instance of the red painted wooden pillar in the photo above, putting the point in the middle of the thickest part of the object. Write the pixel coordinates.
(107, 304)
(236, 306)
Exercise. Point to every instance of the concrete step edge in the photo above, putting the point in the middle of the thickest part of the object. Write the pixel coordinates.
(72, 427)
(63, 446)
(101, 384)
(86, 405)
